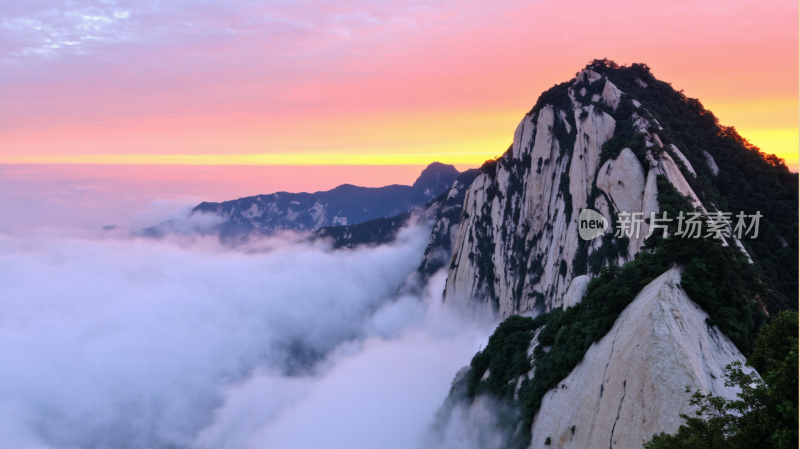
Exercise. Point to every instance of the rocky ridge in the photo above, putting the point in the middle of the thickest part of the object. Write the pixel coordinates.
(628, 387)
(344, 205)
(615, 362)
(517, 247)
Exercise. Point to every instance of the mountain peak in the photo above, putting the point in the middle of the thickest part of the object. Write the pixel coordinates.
(435, 175)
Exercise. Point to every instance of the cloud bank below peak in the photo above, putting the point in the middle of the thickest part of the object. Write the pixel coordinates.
(132, 343)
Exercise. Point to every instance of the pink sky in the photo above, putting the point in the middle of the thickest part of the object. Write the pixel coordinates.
(325, 82)
(89, 196)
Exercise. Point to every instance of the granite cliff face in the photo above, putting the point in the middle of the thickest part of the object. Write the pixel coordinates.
(615, 140)
(628, 387)
(517, 247)
(520, 215)
(444, 212)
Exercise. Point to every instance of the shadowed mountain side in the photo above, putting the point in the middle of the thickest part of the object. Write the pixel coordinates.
(371, 232)
(443, 213)
(236, 220)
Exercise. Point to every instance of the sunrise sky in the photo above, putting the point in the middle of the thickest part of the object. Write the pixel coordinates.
(348, 83)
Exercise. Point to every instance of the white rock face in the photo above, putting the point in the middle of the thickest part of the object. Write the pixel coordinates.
(649, 203)
(444, 215)
(531, 210)
(611, 95)
(623, 181)
(662, 164)
(517, 240)
(575, 292)
(712, 164)
(593, 132)
(683, 159)
(630, 385)
(588, 75)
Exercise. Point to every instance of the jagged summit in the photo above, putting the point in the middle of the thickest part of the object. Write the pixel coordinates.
(600, 141)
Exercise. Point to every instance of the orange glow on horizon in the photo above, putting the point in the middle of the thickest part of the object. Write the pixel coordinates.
(445, 83)
(422, 159)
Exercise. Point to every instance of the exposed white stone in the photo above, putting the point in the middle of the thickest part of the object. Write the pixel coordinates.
(664, 165)
(541, 211)
(588, 75)
(593, 132)
(522, 136)
(611, 95)
(712, 164)
(649, 204)
(252, 212)
(629, 385)
(741, 247)
(657, 140)
(640, 123)
(563, 115)
(575, 292)
(291, 215)
(623, 181)
(529, 375)
(683, 158)
(483, 416)
(534, 211)
(640, 82)
(317, 212)
(658, 125)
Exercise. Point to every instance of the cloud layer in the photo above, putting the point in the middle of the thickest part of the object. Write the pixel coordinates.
(133, 343)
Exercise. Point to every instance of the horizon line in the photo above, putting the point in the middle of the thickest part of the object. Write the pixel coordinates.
(256, 159)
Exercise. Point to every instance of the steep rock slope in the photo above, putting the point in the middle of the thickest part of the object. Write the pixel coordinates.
(629, 385)
(344, 205)
(518, 235)
(446, 212)
(590, 144)
(616, 333)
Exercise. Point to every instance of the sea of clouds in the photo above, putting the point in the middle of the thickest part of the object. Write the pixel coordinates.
(111, 340)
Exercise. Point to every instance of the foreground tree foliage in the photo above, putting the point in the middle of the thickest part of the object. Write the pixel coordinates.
(765, 412)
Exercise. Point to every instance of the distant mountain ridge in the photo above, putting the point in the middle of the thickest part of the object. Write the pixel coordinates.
(344, 205)
(442, 212)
